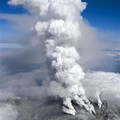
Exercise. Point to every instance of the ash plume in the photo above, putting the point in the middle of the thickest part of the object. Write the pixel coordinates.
(59, 27)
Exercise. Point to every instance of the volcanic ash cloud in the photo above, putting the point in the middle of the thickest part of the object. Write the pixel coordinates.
(59, 27)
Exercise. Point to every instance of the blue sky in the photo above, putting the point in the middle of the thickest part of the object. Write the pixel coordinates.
(104, 15)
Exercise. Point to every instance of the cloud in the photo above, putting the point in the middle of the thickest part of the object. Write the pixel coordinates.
(59, 51)
(8, 112)
(24, 84)
(10, 45)
(33, 84)
(91, 47)
(21, 22)
(23, 71)
(107, 83)
(110, 36)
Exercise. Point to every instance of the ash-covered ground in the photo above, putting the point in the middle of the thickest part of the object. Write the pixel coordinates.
(50, 109)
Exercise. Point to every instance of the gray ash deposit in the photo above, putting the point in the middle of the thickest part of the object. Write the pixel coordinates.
(50, 109)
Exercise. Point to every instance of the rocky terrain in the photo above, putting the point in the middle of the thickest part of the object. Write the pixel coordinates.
(49, 109)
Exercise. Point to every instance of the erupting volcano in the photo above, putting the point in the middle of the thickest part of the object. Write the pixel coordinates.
(59, 27)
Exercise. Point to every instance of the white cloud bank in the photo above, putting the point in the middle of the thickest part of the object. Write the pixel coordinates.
(8, 112)
(107, 83)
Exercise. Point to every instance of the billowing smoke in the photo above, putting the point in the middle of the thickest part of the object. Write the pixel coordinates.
(59, 27)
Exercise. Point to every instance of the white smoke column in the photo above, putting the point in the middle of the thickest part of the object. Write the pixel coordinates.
(60, 28)
(98, 97)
